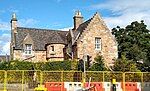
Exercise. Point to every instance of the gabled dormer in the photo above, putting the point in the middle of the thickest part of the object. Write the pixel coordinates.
(28, 45)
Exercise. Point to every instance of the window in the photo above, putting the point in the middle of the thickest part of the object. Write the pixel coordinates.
(52, 51)
(52, 48)
(28, 49)
(97, 43)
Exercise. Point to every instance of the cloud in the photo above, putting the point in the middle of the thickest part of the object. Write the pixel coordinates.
(27, 22)
(124, 12)
(65, 28)
(4, 25)
(4, 44)
(5, 38)
(5, 48)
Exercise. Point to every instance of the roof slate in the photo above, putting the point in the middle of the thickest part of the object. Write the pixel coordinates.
(40, 37)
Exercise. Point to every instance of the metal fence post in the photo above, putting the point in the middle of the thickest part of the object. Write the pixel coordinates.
(123, 81)
(5, 80)
(83, 80)
(61, 79)
(41, 78)
(23, 80)
(62, 73)
(142, 81)
(103, 77)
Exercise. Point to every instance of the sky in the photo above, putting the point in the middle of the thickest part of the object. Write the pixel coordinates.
(58, 14)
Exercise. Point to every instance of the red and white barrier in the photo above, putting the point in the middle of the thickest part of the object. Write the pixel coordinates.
(97, 86)
(72, 86)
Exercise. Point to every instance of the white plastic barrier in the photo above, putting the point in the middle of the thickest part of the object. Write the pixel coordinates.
(146, 86)
(139, 86)
(118, 86)
(108, 86)
(73, 86)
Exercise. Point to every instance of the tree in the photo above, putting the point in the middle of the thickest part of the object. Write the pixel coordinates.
(98, 65)
(81, 65)
(134, 41)
(124, 65)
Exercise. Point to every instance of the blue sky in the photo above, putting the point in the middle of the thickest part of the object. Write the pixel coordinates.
(58, 14)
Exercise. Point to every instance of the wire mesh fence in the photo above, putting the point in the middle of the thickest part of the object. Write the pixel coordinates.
(27, 80)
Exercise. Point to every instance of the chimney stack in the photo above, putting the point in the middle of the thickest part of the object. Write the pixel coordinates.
(78, 19)
(13, 22)
(13, 34)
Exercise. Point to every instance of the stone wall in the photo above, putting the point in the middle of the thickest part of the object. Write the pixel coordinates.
(57, 54)
(37, 56)
(86, 42)
(17, 54)
(40, 56)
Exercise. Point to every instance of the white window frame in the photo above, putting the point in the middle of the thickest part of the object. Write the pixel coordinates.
(98, 43)
(28, 49)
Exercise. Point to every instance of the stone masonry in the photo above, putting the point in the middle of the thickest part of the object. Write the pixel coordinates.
(55, 45)
(86, 42)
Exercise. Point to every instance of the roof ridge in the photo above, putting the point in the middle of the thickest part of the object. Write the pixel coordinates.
(104, 24)
(39, 29)
(86, 23)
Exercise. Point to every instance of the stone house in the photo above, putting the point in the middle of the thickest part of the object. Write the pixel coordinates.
(4, 58)
(87, 38)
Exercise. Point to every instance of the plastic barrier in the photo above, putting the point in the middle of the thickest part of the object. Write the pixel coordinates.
(146, 86)
(72, 86)
(130, 86)
(108, 86)
(139, 86)
(118, 86)
(96, 86)
(55, 86)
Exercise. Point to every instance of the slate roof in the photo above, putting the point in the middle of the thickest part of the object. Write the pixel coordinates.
(40, 37)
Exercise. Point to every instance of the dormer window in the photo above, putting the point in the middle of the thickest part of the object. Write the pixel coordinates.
(97, 43)
(28, 49)
(52, 48)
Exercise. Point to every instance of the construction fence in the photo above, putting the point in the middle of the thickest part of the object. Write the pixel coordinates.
(27, 80)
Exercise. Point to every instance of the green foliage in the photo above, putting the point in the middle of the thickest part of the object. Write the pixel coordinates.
(24, 65)
(16, 65)
(55, 65)
(125, 65)
(99, 65)
(134, 41)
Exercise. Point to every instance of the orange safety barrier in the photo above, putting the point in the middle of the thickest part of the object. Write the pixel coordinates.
(55, 86)
(95, 86)
(130, 86)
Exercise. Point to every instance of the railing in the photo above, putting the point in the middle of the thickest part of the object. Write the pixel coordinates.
(22, 80)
